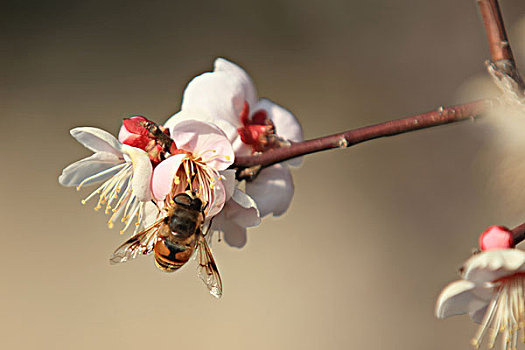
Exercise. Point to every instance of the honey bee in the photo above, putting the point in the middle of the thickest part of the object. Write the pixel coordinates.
(174, 239)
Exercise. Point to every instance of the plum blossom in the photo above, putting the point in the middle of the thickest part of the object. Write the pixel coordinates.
(491, 291)
(202, 152)
(228, 98)
(125, 173)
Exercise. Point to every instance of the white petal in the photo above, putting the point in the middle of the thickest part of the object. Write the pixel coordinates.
(494, 264)
(219, 198)
(458, 298)
(220, 93)
(242, 210)
(477, 316)
(272, 190)
(77, 172)
(286, 125)
(223, 65)
(142, 172)
(240, 148)
(150, 215)
(228, 180)
(97, 140)
(228, 128)
(233, 234)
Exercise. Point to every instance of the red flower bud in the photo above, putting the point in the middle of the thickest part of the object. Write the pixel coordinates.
(496, 237)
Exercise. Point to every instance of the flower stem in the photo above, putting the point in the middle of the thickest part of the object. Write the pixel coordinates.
(351, 137)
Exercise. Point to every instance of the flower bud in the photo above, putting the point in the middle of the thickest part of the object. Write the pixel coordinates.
(139, 132)
(496, 237)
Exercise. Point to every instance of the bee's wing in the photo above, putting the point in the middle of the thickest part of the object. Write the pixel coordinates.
(140, 244)
(208, 269)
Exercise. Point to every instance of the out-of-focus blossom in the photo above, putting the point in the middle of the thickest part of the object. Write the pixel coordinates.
(124, 170)
(492, 292)
(227, 97)
(202, 151)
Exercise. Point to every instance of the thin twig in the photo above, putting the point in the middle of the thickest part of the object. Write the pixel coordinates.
(348, 138)
(499, 45)
(518, 234)
(495, 29)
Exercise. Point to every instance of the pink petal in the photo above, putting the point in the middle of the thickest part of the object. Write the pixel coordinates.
(204, 140)
(272, 190)
(220, 93)
(123, 134)
(162, 180)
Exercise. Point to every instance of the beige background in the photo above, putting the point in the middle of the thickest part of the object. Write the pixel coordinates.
(373, 234)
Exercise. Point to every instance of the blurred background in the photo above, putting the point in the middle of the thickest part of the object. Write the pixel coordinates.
(373, 234)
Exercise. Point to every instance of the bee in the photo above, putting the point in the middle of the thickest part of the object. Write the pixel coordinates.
(174, 239)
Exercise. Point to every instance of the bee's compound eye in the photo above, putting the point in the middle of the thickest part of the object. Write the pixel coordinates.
(196, 204)
(183, 199)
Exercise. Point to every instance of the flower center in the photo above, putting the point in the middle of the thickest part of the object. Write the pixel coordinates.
(195, 176)
(257, 131)
(505, 313)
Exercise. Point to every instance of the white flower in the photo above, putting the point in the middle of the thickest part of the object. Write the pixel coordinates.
(124, 170)
(227, 97)
(492, 292)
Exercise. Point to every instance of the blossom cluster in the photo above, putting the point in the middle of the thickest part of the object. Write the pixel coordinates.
(148, 164)
(491, 290)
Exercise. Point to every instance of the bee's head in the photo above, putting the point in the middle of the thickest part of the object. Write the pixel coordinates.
(191, 202)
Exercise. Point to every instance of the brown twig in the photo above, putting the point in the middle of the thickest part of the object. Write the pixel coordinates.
(495, 29)
(518, 234)
(499, 45)
(348, 138)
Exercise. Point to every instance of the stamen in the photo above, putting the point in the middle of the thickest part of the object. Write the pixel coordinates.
(505, 313)
(116, 194)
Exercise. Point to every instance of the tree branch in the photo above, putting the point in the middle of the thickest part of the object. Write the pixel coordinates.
(503, 67)
(348, 138)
